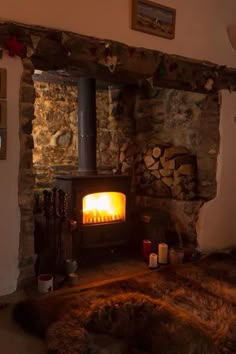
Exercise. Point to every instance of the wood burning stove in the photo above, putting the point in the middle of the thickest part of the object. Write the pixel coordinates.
(106, 221)
(98, 204)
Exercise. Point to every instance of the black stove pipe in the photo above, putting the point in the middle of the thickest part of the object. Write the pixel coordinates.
(87, 126)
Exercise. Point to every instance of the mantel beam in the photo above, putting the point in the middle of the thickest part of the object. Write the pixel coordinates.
(106, 60)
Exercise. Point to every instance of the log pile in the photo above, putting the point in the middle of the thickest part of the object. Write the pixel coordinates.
(161, 171)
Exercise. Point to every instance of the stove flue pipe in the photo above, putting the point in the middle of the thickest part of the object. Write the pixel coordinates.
(87, 132)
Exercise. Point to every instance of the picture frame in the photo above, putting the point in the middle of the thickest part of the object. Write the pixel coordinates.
(3, 144)
(3, 114)
(3, 83)
(152, 18)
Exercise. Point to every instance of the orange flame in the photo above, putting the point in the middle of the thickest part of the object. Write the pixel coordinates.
(103, 207)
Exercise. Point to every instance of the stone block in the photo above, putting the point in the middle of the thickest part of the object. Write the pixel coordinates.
(125, 168)
(161, 189)
(191, 186)
(28, 66)
(183, 214)
(27, 94)
(190, 196)
(26, 127)
(186, 170)
(26, 159)
(27, 110)
(122, 157)
(181, 196)
(140, 169)
(184, 160)
(27, 77)
(131, 150)
(176, 190)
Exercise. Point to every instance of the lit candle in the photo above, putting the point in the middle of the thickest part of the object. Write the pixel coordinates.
(147, 244)
(152, 260)
(163, 253)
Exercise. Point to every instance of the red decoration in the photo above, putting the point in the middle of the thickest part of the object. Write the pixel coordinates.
(147, 245)
(14, 47)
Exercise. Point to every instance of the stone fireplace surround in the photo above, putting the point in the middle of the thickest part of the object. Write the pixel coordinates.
(208, 115)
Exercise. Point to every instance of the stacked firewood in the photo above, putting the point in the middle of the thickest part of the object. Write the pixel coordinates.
(162, 171)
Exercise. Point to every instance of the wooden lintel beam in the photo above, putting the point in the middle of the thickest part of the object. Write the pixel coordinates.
(81, 55)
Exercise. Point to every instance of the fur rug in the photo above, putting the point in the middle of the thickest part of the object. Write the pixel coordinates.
(181, 309)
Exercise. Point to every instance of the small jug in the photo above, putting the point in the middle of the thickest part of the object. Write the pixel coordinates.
(71, 266)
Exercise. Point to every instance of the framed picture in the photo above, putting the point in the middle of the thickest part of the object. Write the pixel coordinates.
(3, 114)
(3, 144)
(153, 18)
(3, 83)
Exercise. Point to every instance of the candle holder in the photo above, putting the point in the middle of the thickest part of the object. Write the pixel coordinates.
(176, 255)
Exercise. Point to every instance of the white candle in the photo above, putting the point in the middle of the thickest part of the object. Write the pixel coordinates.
(152, 260)
(163, 253)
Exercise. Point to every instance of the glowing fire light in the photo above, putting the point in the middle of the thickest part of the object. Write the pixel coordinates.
(103, 207)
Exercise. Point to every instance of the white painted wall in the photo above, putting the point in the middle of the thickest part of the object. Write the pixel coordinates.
(200, 24)
(200, 34)
(9, 210)
(217, 222)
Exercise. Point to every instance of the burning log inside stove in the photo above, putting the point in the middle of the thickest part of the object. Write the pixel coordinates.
(103, 207)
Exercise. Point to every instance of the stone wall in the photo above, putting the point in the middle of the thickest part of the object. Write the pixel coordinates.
(177, 120)
(26, 180)
(119, 128)
(174, 156)
(159, 136)
(106, 133)
(182, 217)
(55, 132)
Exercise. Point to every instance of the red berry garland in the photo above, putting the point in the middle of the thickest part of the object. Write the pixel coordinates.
(15, 47)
